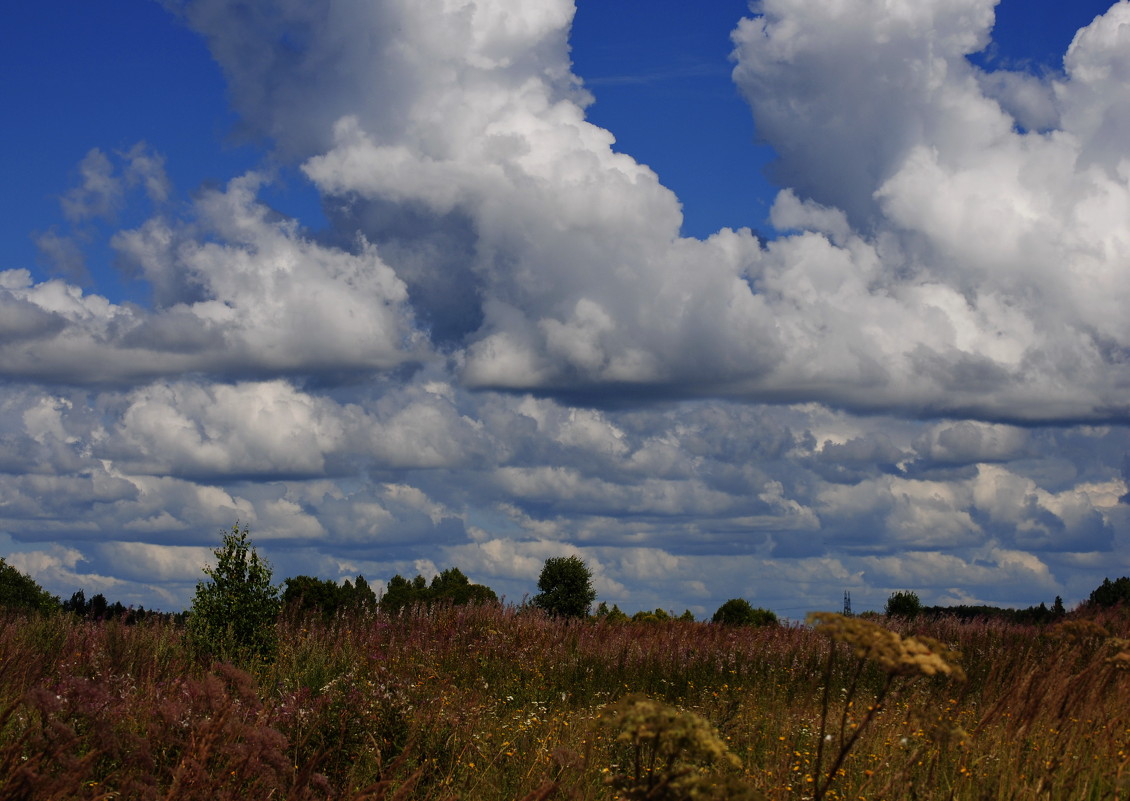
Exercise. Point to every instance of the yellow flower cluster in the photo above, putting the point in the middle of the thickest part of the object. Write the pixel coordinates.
(677, 755)
(1080, 631)
(895, 654)
(639, 720)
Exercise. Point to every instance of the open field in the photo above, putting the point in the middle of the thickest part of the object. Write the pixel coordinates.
(495, 702)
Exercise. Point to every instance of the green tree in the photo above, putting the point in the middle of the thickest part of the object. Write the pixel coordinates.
(304, 595)
(613, 615)
(358, 596)
(77, 604)
(644, 616)
(566, 587)
(18, 591)
(739, 612)
(903, 603)
(234, 612)
(448, 586)
(400, 593)
(1111, 593)
(451, 585)
(99, 608)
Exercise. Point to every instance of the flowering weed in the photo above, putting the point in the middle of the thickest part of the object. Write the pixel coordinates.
(494, 703)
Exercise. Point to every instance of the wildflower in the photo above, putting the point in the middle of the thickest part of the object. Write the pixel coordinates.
(895, 654)
(682, 742)
(1080, 631)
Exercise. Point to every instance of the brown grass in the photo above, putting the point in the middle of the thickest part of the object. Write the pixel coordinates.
(503, 703)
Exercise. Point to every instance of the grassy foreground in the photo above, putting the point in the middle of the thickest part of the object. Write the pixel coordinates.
(500, 703)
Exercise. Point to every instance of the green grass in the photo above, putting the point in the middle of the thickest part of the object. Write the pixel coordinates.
(502, 703)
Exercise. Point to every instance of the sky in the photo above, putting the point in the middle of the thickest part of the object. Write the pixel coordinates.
(777, 301)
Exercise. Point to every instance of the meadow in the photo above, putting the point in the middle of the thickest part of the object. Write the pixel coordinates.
(501, 702)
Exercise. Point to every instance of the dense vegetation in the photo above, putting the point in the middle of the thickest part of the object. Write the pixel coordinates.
(18, 591)
(501, 702)
(438, 691)
(740, 612)
(448, 586)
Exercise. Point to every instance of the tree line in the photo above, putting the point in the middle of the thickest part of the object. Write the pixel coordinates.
(234, 607)
(906, 604)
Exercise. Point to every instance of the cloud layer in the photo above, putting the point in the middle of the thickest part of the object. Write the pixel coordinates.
(502, 349)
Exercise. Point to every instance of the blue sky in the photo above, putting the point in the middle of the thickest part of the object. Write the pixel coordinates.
(376, 282)
(131, 71)
(85, 75)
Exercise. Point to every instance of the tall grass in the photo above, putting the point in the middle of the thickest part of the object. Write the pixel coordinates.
(495, 702)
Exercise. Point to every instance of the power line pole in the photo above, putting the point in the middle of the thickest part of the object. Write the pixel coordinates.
(847, 603)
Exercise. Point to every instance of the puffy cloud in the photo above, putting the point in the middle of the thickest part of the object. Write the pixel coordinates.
(742, 486)
(1080, 518)
(64, 254)
(275, 299)
(236, 291)
(997, 251)
(1096, 95)
(1027, 98)
(100, 192)
(262, 428)
(990, 573)
(58, 571)
(949, 257)
(146, 168)
(103, 186)
(450, 140)
(924, 274)
(153, 563)
(844, 90)
(970, 442)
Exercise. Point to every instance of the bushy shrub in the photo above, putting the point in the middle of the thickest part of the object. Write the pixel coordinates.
(903, 604)
(658, 616)
(739, 612)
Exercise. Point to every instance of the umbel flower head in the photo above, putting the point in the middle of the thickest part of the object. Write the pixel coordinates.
(675, 755)
(1079, 632)
(1089, 634)
(673, 733)
(893, 653)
